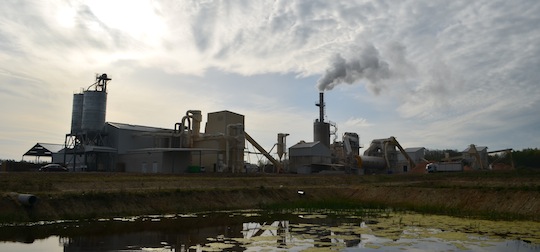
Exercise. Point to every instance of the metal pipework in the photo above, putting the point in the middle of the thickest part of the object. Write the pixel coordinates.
(27, 199)
(196, 117)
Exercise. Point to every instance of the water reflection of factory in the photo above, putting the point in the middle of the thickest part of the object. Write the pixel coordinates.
(254, 231)
(151, 236)
(247, 236)
(288, 236)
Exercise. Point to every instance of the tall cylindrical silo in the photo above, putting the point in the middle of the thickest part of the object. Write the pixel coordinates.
(77, 113)
(281, 144)
(321, 133)
(94, 109)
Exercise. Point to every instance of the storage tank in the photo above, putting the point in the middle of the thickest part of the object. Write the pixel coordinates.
(373, 165)
(94, 109)
(197, 119)
(282, 144)
(77, 113)
(321, 133)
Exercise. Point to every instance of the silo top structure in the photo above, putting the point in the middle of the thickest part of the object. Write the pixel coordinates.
(101, 83)
(95, 105)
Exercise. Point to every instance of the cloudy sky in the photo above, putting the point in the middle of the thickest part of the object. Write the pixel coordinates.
(437, 74)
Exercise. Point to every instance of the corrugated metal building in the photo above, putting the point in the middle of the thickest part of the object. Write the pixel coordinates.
(417, 155)
(142, 149)
(477, 156)
(153, 150)
(303, 156)
(145, 149)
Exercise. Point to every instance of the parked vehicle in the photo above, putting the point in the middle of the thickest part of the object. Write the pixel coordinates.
(444, 167)
(53, 168)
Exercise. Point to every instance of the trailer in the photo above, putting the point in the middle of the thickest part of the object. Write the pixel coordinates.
(444, 167)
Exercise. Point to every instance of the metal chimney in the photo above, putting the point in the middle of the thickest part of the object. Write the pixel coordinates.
(321, 129)
(321, 106)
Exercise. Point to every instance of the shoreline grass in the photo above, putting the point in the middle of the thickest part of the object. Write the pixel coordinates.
(497, 195)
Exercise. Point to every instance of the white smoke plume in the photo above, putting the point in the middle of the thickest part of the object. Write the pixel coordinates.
(363, 63)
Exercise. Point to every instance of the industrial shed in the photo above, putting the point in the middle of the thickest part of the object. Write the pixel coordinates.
(136, 148)
(477, 156)
(44, 150)
(304, 155)
(164, 160)
(144, 149)
(416, 154)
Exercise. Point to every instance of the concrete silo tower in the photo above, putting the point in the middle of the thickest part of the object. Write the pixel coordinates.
(87, 124)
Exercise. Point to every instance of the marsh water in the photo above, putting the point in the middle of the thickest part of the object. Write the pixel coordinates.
(283, 230)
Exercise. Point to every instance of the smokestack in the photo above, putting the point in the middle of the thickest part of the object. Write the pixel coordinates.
(321, 129)
(321, 106)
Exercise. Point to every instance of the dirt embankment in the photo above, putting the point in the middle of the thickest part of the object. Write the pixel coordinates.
(504, 195)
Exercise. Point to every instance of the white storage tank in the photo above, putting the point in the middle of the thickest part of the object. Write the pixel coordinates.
(94, 109)
(77, 113)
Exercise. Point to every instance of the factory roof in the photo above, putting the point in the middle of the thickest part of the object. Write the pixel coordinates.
(226, 111)
(413, 149)
(44, 149)
(174, 150)
(478, 148)
(135, 127)
(303, 144)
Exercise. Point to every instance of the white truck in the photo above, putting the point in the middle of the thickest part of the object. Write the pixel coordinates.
(444, 167)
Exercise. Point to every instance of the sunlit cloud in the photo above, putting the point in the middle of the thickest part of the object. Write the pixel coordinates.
(455, 72)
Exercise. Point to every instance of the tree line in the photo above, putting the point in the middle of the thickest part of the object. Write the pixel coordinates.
(527, 158)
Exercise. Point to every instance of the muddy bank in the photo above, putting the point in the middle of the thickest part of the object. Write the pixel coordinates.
(78, 196)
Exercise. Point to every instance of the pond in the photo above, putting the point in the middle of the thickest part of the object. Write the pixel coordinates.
(283, 230)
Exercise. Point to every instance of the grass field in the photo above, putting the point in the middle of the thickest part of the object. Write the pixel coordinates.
(496, 195)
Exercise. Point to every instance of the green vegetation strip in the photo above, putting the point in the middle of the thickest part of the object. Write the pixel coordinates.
(496, 195)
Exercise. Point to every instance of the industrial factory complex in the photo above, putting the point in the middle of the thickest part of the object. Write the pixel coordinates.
(219, 145)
